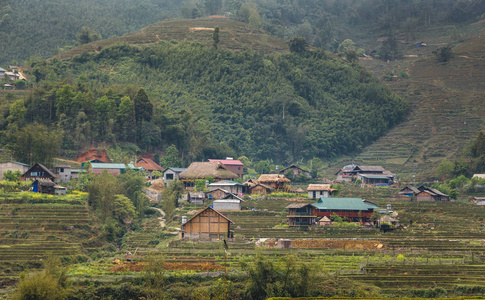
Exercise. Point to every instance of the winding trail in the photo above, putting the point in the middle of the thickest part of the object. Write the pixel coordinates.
(162, 218)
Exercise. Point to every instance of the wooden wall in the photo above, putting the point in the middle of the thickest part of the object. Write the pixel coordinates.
(206, 223)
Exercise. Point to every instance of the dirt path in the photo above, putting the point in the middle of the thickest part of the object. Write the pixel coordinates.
(162, 218)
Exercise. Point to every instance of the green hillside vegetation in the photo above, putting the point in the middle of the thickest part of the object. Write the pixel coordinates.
(208, 102)
(43, 28)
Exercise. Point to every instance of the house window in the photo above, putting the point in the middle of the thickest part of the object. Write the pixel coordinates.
(239, 168)
(62, 170)
(33, 174)
(213, 236)
(314, 194)
(169, 176)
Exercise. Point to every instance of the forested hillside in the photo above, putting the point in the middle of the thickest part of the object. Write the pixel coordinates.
(208, 102)
(42, 28)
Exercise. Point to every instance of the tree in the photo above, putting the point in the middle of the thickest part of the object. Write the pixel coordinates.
(171, 158)
(87, 35)
(389, 49)
(49, 284)
(9, 175)
(123, 209)
(298, 44)
(444, 54)
(215, 37)
(126, 119)
(263, 167)
(143, 107)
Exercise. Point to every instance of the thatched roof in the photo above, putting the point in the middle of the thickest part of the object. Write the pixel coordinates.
(202, 170)
(320, 187)
(298, 205)
(273, 178)
(251, 182)
(157, 185)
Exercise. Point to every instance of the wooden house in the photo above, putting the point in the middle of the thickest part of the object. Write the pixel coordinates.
(370, 175)
(207, 224)
(316, 191)
(216, 194)
(203, 170)
(260, 189)
(38, 171)
(196, 197)
(275, 181)
(148, 165)
(296, 171)
(300, 214)
(233, 165)
(409, 191)
(355, 209)
(44, 186)
(430, 194)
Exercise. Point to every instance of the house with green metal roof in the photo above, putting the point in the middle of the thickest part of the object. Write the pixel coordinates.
(355, 209)
(115, 169)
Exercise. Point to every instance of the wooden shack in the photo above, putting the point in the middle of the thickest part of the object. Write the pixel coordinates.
(207, 224)
(275, 181)
(260, 189)
(300, 214)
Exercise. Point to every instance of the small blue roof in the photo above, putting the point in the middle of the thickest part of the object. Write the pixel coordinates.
(19, 163)
(176, 170)
(2, 70)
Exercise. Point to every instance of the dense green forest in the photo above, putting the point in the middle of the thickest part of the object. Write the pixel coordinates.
(207, 102)
(42, 28)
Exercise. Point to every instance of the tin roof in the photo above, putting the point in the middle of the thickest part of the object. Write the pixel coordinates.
(225, 183)
(112, 166)
(343, 204)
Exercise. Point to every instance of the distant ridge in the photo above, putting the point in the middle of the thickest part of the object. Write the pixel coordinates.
(234, 35)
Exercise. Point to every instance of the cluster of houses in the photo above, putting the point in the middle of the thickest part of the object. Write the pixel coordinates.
(10, 77)
(423, 193)
(368, 175)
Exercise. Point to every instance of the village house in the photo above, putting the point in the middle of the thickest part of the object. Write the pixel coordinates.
(256, 188)
(63, 173)
(316, 191)
(233, 165)
(324, 221)
(430, 194)
(370, 175)
(409, 191)
(479, 200)
(170, 174)
(204, 170)
(148, 165)
(38, 171)
(2, 73)
(44, 186)
(300, 215)
(228, 185)
(355, 209)
(217, 194)
(207, 224)
(227, 204)
(295, 171)
(112, 168)
(13, 166)
(196, 197)
(274, 181)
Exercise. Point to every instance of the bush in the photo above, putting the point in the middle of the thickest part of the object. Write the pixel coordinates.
(444, 54)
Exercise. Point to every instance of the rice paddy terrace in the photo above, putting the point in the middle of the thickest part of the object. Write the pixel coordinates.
(34, 226)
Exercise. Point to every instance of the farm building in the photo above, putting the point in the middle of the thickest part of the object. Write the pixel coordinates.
(13, 166)
(60, 190)
(233, 165)
(216, 194)
(345, 174)
(316, 191)
(274, 181)
(207, 224)
(295, 171)
(260, 189)
(227, 204)
(430, 194)
(300, 214)
(196, 197)
(170, 174)
(38, 171)
(203, 170)
(229, 186)
(44, 186)
(114, 169)
(409, 191)
(355, 209)
(148, 165)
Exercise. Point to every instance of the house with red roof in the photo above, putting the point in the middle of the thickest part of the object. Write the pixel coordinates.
(149, 165)
(233, 165)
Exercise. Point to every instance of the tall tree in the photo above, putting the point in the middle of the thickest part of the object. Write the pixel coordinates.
(143, 107)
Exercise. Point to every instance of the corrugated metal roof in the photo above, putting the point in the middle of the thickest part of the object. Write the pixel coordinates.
(343, 204)
(112, 166)
(376, 176)
(225, 182)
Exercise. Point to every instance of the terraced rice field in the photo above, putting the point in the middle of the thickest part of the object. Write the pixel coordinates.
(33, 228)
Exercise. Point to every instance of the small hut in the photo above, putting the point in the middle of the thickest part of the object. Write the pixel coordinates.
(275, 181)
(324, 221)
(316, 191)
(208, 224)
(203, 170)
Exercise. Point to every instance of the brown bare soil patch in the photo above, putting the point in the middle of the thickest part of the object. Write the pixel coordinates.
(138, 267)
(339, 244)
